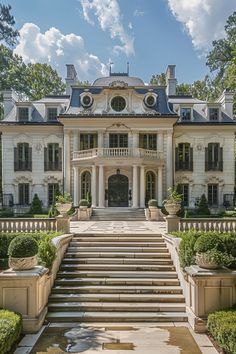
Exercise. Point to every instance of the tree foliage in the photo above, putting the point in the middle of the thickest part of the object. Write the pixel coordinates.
(7, 33)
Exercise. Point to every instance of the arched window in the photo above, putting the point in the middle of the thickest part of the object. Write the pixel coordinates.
(150, 186)
(85, 184)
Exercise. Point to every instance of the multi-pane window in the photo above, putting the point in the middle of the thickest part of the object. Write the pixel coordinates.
(23, 114)
(213, 114)
(148, 141)
(22, 157)
(23, 190)
(213, 194)
(185, 194)
(214, 157)
(118, 140)
(88, 141)
(52, 114)
(185, 114)
(150, 186)
(53, 189)
(85, 184)
(52, 157)
(184, 157)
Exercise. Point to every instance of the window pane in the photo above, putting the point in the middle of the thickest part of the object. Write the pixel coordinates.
(213, 194)
(185, 114)
(23, 193)
(85, 184)
(53, 189)
(52, 114)
(213, 114)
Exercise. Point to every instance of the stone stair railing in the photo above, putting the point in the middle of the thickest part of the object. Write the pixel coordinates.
(208, 224)
(27, 225)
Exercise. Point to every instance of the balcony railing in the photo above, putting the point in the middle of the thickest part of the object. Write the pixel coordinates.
(118, 152)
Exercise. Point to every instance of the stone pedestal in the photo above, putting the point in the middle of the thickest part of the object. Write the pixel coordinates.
(154, 214)
(84, 214)
(63, 224)
(26, 292)
(172, 223)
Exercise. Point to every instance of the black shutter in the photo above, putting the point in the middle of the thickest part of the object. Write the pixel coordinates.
(191, 159)
(45, 159)
(176, 158)
(221, 159)
(16, 159)
(60, 160)
(206, 159)
(29, 162)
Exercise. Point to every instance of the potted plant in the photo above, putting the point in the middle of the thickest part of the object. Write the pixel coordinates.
(210, 252)
(173, 202)
(22, 253)
(83, 204)
(63, 203)
(152, 204)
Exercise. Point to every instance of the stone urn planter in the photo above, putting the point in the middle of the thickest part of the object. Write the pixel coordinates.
(203, 261)
(172, 208)
(22, 263)
(63, 208)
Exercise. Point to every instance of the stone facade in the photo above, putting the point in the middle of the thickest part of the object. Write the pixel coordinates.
(120, 141)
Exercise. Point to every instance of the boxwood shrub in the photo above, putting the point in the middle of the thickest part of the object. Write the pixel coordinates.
(10, 329)
(222, 326)
(23, 246)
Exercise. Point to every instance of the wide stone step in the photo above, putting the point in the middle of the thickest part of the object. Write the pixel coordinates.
(119, 249)
(117, 297)
(97, 235)
(116, 281)
(116, 274)
(124, 289)
(136, 238)
(74, 316)
(140, 261)
(117, 306)
(129, 255)
(117, 267)
(114, 244)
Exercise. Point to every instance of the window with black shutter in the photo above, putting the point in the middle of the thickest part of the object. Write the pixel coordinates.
(23, 157)
(214, 157)
(184, 157)
(52, 157)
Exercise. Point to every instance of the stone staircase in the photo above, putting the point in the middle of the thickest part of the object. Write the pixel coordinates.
(118, 214)
(116, 278)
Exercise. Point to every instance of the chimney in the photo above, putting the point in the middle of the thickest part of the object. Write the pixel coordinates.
(71, 77)
(10, 97)
(226, 100)
(171, 81)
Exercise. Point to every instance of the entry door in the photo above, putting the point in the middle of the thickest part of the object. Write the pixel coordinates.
(118, 190)
(118, 140)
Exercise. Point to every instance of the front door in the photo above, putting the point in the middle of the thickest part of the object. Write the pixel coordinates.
(118, 190)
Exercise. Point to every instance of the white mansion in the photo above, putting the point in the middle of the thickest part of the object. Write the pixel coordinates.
(120, 140)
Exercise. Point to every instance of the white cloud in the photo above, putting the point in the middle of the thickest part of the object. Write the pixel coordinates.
(58, 49)
(109, 18)
(204, 20)
(138, 13)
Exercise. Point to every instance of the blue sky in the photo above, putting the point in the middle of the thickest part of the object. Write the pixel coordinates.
(150, 34)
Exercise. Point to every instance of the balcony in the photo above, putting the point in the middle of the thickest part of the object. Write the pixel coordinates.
(118, 153)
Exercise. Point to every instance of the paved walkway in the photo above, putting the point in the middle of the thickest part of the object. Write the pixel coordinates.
(115, 227)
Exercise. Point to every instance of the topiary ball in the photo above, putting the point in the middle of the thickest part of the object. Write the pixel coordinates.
(83, 202)
(152, 203)
(208, 242)
(23, 246)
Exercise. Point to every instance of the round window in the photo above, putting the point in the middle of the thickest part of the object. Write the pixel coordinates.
(118, 103)
(87, 101)
(150, 100)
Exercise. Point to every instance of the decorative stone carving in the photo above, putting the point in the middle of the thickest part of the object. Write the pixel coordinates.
(118, 84)
(22, 263)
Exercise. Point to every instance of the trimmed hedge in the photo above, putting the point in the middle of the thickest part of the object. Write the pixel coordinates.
(222, 326)
(10, 329)
(23, 246)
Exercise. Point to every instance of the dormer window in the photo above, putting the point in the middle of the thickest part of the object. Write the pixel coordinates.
(52, 114)
(213, 114)
(186, 114)
(23, 114)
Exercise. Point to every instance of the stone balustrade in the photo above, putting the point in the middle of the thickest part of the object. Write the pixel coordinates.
(118, 152)
(208, 224)
(27, 225)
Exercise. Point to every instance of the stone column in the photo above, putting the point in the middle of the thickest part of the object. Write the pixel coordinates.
(75, 196)
(135, 187)
(160, 186)
(169, 159)
(101, 186)
(94, 186)
(160, 141)
(142, 187)
(66, 164)
(76, 141)
(100, 139)
(135, 140)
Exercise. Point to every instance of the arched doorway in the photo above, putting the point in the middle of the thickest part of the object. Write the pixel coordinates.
(150, 186)
(118, 190)
(85, 184)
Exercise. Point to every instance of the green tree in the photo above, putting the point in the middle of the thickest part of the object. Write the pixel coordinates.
(8, 34)
(43, 80)
(158, 79)
(36, 205)
(203, 206)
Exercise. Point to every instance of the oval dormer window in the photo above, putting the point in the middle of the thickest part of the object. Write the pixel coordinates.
(150, 100)
(118, 103)
(86, 101)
